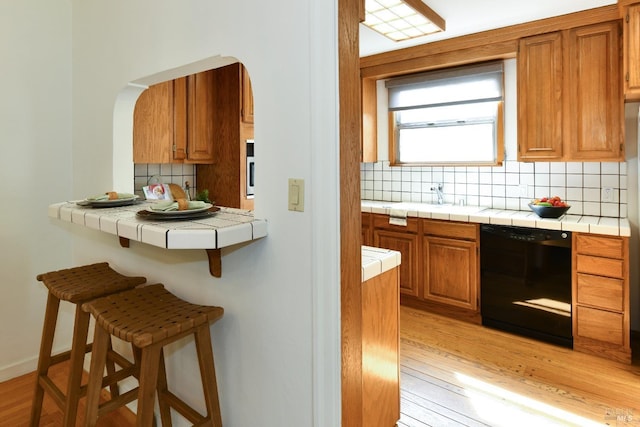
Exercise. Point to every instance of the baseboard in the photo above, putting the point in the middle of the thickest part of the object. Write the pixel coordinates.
(18, 369)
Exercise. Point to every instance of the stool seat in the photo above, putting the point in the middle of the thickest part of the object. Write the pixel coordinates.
(150, 317)
(149, 314)
(75, 285)
(80, 284)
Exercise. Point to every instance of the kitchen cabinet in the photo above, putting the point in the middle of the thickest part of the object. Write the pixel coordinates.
(369, 128)
(540, 97)
(381, 349)
(570, 102)
(404, 240)
(440, 269)
(174, 121)
(632, 52)
(247, 97)
(450, 267)
(600, 286)
(367, 222)
(226, 176)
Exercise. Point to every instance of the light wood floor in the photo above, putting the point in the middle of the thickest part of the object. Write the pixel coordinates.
(454, 373)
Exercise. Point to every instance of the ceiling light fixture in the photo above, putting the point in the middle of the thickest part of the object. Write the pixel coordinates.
(402, 19)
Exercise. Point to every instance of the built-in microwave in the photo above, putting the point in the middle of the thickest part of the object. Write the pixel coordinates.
(251, 171)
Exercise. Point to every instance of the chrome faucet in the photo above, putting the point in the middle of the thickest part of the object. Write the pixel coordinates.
(438, 189)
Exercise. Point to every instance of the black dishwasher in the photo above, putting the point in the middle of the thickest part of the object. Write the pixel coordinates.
(525, 282)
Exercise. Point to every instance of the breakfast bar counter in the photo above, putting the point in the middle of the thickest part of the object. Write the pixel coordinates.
(225, 227)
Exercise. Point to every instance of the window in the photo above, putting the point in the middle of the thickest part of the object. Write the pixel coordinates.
(450, 116)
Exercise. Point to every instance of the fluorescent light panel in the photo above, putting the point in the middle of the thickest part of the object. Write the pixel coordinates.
(402, 19)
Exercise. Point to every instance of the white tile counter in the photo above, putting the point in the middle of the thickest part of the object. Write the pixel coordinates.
(483, 215)
(226, 227)
(376, 261)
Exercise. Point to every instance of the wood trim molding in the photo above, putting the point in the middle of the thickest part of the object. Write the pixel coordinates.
(492, 44)
(350, 217)
(429, 13)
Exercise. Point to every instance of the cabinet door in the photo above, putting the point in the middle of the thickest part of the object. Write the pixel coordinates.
(407, 245)
(596, 101)
(247, 97)
(153, 125)
(540, 112)
(180, 135)
(367, 238)
(369, 132)
(450, 272)
(200, 116)
(632, 53)
(380, 349)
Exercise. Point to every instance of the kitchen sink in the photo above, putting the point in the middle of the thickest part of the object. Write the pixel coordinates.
(434, 207)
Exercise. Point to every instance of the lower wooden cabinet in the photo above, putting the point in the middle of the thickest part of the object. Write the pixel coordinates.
(601, 296)
(381, 350)
(439, 269)
(440, 273)
(450, 272)
(404, 240)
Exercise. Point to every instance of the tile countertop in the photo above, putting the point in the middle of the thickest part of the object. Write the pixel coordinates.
(483, 215)
(227, 227)
(376, 261)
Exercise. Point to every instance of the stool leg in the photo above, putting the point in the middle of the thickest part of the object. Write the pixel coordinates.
(147, 384)
(80, 331)
(44, 359)
(208, 374)
(98, 360)
(165, 408)
(111, 369)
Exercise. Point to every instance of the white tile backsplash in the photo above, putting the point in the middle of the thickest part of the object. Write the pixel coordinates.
(501, 187)
(177, 173)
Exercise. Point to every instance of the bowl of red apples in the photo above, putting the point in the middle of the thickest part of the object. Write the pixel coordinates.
(549, 207)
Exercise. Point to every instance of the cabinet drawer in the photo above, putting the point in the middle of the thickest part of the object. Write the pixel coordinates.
(600, 266)
(450, 230)
(600, 325)
(382, 222)
(600, 246)
(600, 292)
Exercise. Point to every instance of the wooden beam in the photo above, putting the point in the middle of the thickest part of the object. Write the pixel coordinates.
(429, 13)
(350, 217)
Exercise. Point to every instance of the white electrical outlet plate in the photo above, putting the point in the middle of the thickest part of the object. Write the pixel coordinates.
(608, 194)
(524, 190)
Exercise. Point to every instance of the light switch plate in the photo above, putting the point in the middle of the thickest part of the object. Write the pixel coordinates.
(296, 194)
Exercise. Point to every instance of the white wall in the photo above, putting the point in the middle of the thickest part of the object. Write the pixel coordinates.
(277, 347)
(35, 170)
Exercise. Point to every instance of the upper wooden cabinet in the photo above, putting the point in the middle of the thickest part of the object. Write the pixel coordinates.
(632, 52)
(540, 78)
(369, 128)
(173, 122)
(570, 103)
(247, 97)
(226, 176)
(153, 125)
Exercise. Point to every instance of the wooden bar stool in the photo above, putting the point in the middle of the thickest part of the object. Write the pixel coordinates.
(150, 317)
(75, 285)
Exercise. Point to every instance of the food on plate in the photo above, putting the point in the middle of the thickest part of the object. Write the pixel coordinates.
(554, 201)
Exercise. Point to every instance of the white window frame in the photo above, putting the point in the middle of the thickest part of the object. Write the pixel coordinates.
(432, 98)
